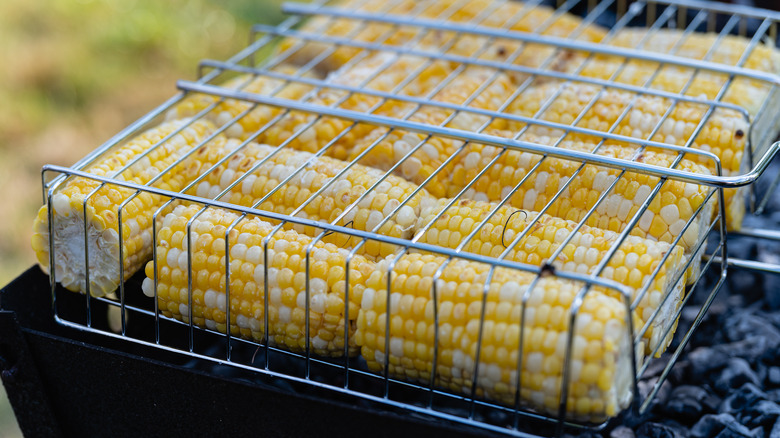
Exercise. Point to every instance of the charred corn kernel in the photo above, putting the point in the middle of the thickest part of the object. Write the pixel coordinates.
(723, 134)
(622, 203)
(463, 89)
(317, 172)
(379, 72)
(227, 109)
(585, 250)
(600, 324)
(283, 278)
(102, 209)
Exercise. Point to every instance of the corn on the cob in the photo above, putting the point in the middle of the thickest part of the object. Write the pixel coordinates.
(633, 263)
(747, 93)
(508, 15)
(601, 348)
(230, 108)
(435, 150)
(284, 276)
(102, 210)
(327, 206)
(663, 221)
(380, 72)
(723, 134)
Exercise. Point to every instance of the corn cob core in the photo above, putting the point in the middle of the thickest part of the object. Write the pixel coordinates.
(102, 214)
(633, 263)
(435, 150)
(601, 362)
(341, 192)
(230, 108)
(663, 221)
(724, 133)
(379, 72)
(284, 276)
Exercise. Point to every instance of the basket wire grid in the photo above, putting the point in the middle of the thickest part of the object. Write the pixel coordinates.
(690, 16)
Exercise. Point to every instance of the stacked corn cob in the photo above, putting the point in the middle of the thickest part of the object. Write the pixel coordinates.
(637, 262)
(509, 15)
(512, 334)
(286, 271)
(533, 182)
(82, 205)
(723, 131)
(318, 188)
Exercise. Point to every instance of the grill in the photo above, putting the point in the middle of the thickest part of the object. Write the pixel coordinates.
(127, 329)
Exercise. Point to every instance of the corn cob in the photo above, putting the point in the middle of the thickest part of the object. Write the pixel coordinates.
(102, 220)
(522, 18)
(327, 206)
(380, 72)
(230, 108)
(723, 134)
(301, 52)
(422, 163)
(601, 359)
(663, 221)
(284, 276)
(633, 264)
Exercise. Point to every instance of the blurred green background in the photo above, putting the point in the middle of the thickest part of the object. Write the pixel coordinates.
(74, 72)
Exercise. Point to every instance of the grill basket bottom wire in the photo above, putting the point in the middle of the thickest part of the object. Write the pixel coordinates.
(143, 323)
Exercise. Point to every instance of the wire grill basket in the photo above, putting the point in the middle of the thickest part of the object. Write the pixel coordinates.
(311, 58)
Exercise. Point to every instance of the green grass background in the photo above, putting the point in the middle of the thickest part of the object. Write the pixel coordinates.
(74, 72)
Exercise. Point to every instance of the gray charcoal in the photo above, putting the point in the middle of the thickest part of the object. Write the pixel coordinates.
(736, 373)
(746, 396)
(745, 324)
(622, 432)
(773, 376)
(706, 359)
(722, 426)
(655, 430)
(762, 414)
(773, 395)
(686, 402)
(775, 433)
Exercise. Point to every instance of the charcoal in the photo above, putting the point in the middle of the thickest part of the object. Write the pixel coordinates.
(686, 402)
(745, 324)
(746, 396)
(773, 395)
(622, 432)
(775, 433)
(655, 430)
(706, 359)
(762, 414)
(736, 373)
(773, 376)
(722, 426)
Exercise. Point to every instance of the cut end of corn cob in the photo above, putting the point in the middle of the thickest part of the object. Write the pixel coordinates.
(601, 371)
(528, 237)
(279, 274)
(99, 217)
